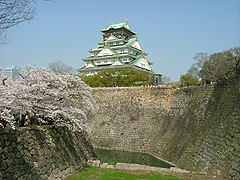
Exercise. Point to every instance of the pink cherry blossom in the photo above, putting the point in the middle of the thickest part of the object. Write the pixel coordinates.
(43, 98)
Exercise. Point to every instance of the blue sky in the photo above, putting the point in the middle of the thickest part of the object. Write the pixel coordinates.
(170, 31)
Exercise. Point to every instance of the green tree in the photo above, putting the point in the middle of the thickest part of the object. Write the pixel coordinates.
(236, 55)
(188, 80)
(220, 66)
(122, 77)
(216, 67)
(200, 58)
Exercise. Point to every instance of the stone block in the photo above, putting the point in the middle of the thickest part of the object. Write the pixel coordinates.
(89, 162)
(95, 163)
(177, 170)
(104, 165)
(151, 168)
(111, 166)
(35, 164)
(120, 166)
(130, 166)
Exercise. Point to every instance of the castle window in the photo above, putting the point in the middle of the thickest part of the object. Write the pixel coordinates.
(125, 59)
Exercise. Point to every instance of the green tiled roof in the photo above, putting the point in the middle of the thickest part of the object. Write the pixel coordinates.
(138, 58)
(113, 40)
(128, 44)
(131, 41)
(131, 64)
(109, 56)
(100, 68)
(118, 26)
(96, 49)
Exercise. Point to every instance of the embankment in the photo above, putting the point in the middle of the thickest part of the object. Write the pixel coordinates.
(196, 128)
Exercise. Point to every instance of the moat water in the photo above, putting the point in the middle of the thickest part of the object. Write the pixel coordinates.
(117, 156)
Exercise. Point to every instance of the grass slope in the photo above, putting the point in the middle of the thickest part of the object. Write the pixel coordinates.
(95, 173)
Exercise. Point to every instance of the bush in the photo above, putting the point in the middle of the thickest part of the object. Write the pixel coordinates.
(122, 77)
(188, 80)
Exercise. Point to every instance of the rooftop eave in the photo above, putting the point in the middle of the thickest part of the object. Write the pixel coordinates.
(94, 50)
(114, 40)
(120, 46)
(105, 30)
(109, 56)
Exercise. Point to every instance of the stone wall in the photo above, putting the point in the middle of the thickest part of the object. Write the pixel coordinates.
(38, 153)
(196, 128)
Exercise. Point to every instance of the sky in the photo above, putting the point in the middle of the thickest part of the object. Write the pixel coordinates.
(170, 31)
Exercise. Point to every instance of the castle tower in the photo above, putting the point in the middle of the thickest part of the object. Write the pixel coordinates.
(119, 48)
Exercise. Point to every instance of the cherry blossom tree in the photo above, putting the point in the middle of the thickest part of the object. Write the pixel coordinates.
(44, 97)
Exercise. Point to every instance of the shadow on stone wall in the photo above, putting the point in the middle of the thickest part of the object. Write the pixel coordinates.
(15, 161)
(217, 147)
(45, 152)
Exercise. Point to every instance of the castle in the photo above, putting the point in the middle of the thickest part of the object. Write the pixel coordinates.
(120, 48)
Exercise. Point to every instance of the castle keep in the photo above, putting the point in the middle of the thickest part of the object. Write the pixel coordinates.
(119, 48)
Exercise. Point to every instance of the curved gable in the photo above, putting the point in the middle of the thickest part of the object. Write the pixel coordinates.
(137, 45)
(143, 63)
(105, 52)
